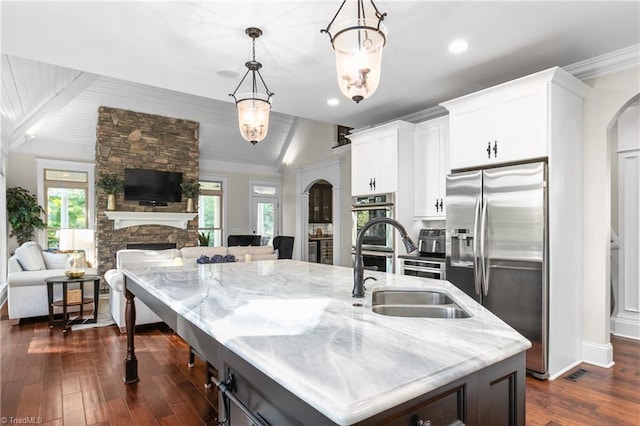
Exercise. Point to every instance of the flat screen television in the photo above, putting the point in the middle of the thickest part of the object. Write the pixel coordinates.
(152, 187)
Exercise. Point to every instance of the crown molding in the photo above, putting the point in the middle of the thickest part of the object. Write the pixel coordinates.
(618, 60)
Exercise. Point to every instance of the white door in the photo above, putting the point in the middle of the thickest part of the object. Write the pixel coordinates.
(265, 218)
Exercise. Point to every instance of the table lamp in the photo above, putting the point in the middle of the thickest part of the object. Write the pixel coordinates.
(76, 239)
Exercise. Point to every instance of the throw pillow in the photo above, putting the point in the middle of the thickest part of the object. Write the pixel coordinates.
(55, 260)
(29, 256)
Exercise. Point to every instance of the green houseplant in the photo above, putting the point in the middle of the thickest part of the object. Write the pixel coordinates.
(204, 238)
(191, 190)
(24, 214)
(112, 185)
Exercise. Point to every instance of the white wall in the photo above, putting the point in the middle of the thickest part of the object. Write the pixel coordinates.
(607, 96)
(312, 145)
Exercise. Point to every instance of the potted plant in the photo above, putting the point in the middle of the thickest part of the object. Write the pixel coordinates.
(24, 214)
(191, 190)
(112, 185)
(203, 239)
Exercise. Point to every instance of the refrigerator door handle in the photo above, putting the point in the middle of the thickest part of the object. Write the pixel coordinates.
(483, 225)
(476, 263)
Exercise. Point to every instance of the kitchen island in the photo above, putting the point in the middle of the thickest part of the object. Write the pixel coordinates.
(301, 350)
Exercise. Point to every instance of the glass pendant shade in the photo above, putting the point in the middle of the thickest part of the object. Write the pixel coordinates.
(253, 117)
(253, 107)
(358, 44)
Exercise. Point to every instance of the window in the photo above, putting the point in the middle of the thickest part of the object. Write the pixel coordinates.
(66, 202)
(65, 191)
(265, 203)
(210, 211)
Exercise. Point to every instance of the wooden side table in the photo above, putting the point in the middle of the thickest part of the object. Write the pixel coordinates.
(64, 280)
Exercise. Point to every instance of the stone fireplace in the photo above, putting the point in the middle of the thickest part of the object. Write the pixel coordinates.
(129, 139)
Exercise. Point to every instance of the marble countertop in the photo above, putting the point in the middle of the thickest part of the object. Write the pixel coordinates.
(298, 324)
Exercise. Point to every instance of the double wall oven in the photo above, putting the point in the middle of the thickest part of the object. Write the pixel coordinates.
(377, 243)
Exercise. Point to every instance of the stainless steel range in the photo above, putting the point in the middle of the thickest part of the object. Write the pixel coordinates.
(429, 262)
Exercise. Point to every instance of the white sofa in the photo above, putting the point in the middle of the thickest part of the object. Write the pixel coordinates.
(131, 258)
(26, 289)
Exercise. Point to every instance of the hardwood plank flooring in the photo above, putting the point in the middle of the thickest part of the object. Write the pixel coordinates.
(76, 378)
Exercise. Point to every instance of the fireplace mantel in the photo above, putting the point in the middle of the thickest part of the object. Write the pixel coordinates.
(122, 219)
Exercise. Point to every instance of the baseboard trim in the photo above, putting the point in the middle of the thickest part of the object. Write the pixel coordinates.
(598, 354)
(564, 370)
(626, 326)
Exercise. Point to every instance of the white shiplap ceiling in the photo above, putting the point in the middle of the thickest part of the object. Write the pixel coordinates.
(62, 60)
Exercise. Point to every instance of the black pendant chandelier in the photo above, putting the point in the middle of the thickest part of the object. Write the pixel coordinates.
(358, 42)
(253, 107)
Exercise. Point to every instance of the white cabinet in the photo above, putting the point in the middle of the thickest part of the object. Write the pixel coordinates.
(374, 158)
(430, 168)
(503, 124)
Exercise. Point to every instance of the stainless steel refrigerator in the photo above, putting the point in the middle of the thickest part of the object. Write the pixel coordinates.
(496, 247)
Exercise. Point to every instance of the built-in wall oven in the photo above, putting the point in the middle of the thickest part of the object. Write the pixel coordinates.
(377, 244)
(423, 267)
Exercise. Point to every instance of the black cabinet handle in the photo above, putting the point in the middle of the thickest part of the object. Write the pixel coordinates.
(437, 205)
(441, 206)
(489, 150)
(495, 149)
(374, 183)
(371, 184)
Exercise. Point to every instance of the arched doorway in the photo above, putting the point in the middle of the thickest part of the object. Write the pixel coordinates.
(624, 145)
(320, 222)
(328, 173)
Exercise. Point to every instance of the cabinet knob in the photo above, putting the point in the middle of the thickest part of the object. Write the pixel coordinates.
(495, 149)
(489, 150)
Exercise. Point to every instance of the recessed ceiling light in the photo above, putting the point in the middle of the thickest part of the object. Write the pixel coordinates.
(333, 101)
(458, 46)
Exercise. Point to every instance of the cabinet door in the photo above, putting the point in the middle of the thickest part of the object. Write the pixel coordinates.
(426, 172)
(385, 152)
(519, 128)
(469, 137)
(362, 167)
(374, 163)
(430, 167)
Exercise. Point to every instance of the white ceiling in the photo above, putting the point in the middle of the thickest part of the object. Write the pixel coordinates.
(167, 57)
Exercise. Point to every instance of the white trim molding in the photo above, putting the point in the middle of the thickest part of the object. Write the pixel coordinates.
(598, 354)
(123, 219)
(615, 61)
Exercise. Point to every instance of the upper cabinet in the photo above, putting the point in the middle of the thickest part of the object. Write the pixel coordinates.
(430, 168)
(320, 203)
(375, 157)
(507, 123)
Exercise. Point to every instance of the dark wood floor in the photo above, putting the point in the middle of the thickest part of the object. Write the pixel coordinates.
(76, 379)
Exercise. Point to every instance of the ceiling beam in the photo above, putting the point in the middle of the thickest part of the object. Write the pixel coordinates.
(51, 108)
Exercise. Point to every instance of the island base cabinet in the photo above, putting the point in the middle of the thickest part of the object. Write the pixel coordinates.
(492, 396)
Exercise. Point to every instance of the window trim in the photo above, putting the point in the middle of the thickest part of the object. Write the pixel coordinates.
(80, 166)
(223, 180)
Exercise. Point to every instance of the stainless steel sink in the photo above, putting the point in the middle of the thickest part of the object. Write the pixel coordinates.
(420, 311)
(416, 303)
(409, 297)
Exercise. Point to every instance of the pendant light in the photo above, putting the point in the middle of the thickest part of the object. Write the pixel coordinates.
(253, 107)
(358, 42)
